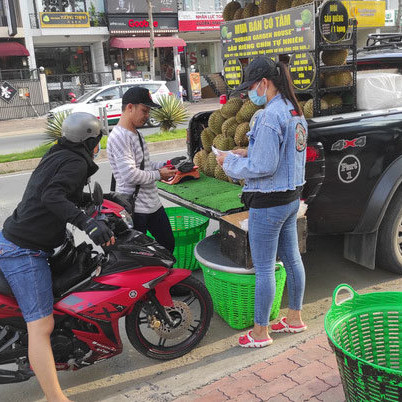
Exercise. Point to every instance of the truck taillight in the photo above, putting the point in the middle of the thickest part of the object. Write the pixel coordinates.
(312, 154)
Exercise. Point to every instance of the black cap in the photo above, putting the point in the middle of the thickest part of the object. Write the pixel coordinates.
(136, 95)
(259, 68)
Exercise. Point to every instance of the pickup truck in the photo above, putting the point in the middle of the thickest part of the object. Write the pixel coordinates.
(353, 171)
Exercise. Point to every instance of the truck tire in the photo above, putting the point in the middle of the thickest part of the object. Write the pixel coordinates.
(389, 245)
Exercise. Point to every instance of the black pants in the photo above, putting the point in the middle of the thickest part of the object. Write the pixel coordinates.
(158, 225)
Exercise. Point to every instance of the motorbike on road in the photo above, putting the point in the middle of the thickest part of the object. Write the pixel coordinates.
(167, 311)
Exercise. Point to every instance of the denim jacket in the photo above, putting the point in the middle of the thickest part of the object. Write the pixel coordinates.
(276, 152)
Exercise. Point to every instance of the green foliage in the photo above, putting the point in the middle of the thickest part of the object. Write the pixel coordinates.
(53, 126)
(171, 113)
(34, 153)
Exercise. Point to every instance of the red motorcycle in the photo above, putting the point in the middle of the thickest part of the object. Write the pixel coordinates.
(167, 311)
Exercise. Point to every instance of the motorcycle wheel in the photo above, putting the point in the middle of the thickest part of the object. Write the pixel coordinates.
(193, 311)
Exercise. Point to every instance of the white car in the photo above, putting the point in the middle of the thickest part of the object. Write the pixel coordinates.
(110, 97)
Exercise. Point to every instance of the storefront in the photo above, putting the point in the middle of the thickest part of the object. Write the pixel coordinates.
(130, 39)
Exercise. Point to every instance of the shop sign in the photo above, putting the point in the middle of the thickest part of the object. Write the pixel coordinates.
(367, 13)
(199, 21)
(195, 85)
(302, 70)
(233, 73)
(64, 20)
(140, 24)
(7, 92)
(136, 6)
(286, 31)
(334, 21)
(390, 18)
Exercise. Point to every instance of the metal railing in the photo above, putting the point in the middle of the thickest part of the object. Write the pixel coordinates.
(19, 74)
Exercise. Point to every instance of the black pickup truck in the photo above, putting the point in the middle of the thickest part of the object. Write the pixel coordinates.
(354, 172)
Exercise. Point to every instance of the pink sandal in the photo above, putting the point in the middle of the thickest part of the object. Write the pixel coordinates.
(283, 326)
(247, 341)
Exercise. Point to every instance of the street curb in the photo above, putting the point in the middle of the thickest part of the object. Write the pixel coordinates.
(153, 147)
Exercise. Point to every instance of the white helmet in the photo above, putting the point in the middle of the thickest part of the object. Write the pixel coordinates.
(78, 127)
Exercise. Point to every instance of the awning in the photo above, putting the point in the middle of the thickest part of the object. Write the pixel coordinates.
(12, 49)
(143, 42)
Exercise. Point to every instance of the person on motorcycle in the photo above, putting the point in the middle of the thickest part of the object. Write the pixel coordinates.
(38, 225)
(133, 170)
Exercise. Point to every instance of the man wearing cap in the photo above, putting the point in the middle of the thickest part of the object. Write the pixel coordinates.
(134, 172)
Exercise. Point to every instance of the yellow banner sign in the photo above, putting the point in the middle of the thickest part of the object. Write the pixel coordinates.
(367, 13)
(64, 20)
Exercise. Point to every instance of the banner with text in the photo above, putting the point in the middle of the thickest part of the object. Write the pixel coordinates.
(199, 21)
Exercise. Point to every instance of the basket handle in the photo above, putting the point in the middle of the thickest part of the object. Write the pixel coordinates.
(351, 294)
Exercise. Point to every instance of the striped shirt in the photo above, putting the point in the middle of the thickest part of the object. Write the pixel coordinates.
(125, 157)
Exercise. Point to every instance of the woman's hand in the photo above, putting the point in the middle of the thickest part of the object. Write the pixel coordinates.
(241, 151)
(221, 158)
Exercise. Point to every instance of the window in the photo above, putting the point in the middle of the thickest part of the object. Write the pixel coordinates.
(109, 94)
(63, 5)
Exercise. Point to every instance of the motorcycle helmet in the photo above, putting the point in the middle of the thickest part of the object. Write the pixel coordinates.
(84, 128)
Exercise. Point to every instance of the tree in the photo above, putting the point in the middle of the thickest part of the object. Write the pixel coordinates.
(151, 41)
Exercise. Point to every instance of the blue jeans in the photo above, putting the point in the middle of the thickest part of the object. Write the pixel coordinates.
(28, 274)
(272, 232)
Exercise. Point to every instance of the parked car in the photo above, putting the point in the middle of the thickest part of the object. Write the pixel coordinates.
(109, 97)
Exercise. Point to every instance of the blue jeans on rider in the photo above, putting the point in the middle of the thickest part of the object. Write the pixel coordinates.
(28, 274)
(272, 233)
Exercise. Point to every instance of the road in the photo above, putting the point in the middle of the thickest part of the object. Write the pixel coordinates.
(21, 143)
(217, 355)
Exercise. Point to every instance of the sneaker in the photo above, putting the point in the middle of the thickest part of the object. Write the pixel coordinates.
(247, 341)
(283, 326)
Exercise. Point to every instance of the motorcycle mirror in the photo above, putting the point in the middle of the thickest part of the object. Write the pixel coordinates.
(97, 194)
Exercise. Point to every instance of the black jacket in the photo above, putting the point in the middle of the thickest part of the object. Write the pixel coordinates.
(50, 198)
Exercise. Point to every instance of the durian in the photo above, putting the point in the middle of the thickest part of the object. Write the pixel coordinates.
(296, 3)
(229, 10)
(266, 7)
(223, 143)
(230, 108)
(210, 165)
(200, 159)
(207, 136)
(283, 4)
(338, 79)
(308, 109)
(332, 100)
(215, 122)
(220, 174)
(229, 127)
(334, 57)
(238, 15)
(250, 10)
(240, 138)
(246, 112)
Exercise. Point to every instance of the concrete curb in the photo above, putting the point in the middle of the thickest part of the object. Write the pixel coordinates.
(31, 164)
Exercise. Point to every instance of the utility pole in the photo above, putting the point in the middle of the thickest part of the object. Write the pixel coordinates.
(151, 41)
(399, 16)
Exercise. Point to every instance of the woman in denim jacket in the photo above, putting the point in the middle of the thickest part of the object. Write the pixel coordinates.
(273, 167)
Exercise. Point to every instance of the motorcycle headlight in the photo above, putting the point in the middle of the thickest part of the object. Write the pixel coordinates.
(127, 219)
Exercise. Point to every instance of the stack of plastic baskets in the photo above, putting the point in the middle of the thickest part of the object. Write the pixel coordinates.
(233, 295)
(188, 229)
(365, 331)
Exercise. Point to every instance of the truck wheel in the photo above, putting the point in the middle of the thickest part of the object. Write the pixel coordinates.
(389, 246)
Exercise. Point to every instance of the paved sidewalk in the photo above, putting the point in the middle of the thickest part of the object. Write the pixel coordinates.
(306, 372)
(35, 125)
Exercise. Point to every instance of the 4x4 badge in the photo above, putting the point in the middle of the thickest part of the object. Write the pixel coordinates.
(343, 144)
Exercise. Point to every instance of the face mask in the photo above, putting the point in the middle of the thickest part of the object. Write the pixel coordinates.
(257, 99)
(97, 153)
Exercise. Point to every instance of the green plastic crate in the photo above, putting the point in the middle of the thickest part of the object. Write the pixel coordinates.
(233, 295)
(188, 229)
(365, 333)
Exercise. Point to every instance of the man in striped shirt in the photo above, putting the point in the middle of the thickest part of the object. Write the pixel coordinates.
(135, 173)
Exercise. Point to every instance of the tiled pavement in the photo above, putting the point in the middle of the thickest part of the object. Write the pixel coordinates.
(306, 372)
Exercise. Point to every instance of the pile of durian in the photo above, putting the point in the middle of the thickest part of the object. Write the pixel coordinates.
(226, 130)
(234, 10)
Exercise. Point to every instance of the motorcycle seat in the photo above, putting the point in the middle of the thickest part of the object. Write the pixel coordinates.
(4, 286)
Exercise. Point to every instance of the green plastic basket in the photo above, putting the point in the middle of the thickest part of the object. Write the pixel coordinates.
(365, 333)
(233, 295)
(188, 229)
